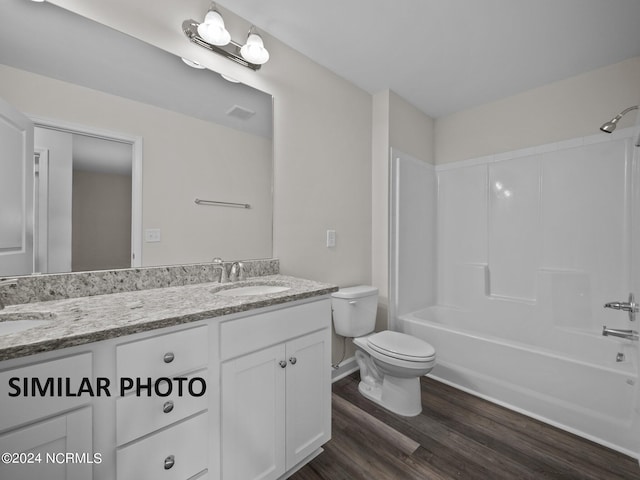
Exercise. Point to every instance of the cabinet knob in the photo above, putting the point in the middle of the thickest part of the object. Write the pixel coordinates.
(167, 407)
(293, 360)
(169, 462)
(168, 357)
(283, 363)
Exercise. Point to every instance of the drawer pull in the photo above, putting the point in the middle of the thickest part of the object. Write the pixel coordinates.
(168, 357)
(283, 363)
(167, 407)
(293, 360)
(169, 462)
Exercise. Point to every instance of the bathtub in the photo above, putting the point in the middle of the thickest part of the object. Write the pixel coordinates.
(572, 379)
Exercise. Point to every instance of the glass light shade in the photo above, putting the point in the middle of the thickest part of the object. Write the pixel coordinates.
(212, 29)
(193, 64)
(253, 51)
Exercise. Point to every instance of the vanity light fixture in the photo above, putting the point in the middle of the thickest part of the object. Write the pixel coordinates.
(253, 50)
(212, 35)
(212, 30)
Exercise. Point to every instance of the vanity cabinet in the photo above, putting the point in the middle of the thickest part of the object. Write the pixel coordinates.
(266, 410)
(42, 447)
(162, 435)
(38, 429)
(275, 391)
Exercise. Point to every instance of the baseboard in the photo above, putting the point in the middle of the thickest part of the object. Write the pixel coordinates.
(346, 367)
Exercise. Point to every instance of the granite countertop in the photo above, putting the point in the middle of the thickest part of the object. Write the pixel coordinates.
(78, 321)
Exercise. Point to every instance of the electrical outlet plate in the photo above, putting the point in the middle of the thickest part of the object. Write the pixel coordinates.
(152, 235)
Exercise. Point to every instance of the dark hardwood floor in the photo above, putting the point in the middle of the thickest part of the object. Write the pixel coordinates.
(457, 436)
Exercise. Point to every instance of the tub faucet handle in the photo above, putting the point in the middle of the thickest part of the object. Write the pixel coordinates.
(630, 306)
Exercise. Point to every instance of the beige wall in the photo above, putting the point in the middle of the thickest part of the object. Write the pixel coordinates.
(574, 107)
(101, 221)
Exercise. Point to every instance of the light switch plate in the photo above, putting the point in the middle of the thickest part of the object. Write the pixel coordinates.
(331, 238)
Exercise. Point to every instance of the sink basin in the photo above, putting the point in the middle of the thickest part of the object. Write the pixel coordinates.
(15, 322)
(252, 290)
(19, 325)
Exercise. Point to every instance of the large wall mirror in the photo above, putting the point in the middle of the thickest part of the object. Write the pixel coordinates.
(125, 138)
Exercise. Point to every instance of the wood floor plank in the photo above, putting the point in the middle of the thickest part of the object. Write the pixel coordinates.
(457, 436)
(441, 440)
(546, 445)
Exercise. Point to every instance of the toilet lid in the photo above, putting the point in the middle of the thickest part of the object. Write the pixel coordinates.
(401, 345)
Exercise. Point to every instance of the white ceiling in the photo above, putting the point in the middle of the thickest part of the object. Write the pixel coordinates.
(444, 56)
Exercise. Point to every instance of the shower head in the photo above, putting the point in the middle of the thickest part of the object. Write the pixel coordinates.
(610, 126)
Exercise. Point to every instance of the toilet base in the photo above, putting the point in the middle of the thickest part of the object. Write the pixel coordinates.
(398, 395)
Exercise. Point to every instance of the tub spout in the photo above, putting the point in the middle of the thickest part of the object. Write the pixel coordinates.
(614, 332)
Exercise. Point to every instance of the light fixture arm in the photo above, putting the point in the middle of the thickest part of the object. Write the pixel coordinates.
(230, 51)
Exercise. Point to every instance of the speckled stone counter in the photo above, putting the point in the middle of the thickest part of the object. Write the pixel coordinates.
(56, 286)
(77, 321)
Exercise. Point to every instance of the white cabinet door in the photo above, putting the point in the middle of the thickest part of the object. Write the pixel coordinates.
(253, 415)
(308, 421)
(16, 192)
(44, 443)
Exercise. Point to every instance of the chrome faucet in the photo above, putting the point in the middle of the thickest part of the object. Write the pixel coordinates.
(237, 272)
(219, 263)
(614, 332)
(630, 306)
(7, 282)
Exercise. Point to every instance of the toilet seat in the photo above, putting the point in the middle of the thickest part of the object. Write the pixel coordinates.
(401, 346)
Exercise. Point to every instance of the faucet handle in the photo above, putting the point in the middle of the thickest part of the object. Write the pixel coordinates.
(237, 272)
(241, 273)
(631, 307)
(218, 262)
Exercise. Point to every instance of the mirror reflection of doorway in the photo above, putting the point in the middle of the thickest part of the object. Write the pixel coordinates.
(83, 198)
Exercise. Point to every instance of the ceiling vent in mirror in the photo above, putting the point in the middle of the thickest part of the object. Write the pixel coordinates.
(212, 35)
(240, 112)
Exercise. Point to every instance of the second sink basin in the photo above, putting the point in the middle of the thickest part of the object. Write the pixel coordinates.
(19, 321)
(252, 290)
(19, 325)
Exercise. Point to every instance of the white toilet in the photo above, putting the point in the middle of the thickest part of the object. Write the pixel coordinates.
(391, 363)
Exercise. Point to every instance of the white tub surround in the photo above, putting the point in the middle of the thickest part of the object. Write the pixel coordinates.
(530, 245)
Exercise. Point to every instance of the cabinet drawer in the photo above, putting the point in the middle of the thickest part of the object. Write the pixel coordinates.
(164, 355)
(52, 377)
(252, 333)
(139, 416)
(183, 448)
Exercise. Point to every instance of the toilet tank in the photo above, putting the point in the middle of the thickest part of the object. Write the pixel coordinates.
(354, 310)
